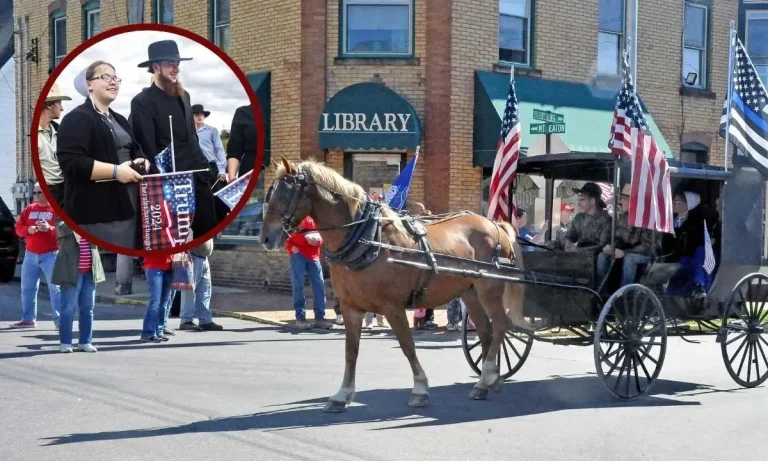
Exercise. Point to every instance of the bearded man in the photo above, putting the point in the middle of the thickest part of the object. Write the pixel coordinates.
(149, 119)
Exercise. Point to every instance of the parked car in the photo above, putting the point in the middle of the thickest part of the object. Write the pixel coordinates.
(9, 244)
(248, 222)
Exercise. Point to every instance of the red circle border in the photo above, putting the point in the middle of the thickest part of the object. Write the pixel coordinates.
(260, 132)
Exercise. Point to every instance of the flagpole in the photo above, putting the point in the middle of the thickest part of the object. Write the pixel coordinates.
(173, 154)
(413, 171)
(732, 43)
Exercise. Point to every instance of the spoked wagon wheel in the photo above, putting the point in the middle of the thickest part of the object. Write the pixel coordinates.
(512, 355)
(630, 341)
(742, 336)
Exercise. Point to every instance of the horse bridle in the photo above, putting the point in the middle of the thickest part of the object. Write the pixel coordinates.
(298, 184)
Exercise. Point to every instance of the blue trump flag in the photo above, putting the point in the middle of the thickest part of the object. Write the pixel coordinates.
(397, 194)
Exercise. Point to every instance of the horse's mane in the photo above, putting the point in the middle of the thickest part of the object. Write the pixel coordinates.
(351, 193)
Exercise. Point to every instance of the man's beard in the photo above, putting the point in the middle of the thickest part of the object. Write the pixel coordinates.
(171, 89)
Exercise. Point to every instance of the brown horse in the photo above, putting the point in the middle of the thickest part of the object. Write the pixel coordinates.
(378, 286)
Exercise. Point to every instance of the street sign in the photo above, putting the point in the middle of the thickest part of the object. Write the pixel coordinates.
(547, 128)
(547, 116)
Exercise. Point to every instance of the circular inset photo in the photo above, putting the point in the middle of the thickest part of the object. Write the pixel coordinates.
(131, 153)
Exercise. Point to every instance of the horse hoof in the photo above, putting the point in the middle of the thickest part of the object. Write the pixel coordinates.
(334, 407)
(478, 393)
(498, 385)
(418, 400)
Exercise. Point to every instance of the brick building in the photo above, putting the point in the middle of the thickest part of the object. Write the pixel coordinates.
(440, 67)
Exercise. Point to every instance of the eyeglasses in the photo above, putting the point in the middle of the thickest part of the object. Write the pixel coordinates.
(107, 78)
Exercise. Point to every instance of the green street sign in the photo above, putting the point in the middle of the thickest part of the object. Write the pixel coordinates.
(547, 128)
(547, 116)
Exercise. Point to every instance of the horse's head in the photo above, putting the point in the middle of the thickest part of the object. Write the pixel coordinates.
(286, 204)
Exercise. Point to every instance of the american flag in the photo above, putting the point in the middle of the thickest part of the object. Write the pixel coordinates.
(234, 191)
(650, 203)
(500, 206)
(748, 111)
(163, 160)
(167, 209)
(709, 254)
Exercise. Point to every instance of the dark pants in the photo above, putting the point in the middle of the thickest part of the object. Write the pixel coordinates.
(209, 210)
(57, 190)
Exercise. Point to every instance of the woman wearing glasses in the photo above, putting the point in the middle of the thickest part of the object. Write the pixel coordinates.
(101, 162)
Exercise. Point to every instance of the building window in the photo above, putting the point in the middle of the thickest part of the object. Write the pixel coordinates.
(610, 36)
(694, 152)
(247, 225)
(91, 19)
(515, 31)
(135, 11)
(220, 18)
(162, 11)
(757, 42)
(377, 27)
(695, 45)
(58, 37)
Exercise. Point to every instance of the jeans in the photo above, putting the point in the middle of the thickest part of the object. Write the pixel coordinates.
(158, 306)
(455, 314)
(30, 282)
(195, 303)
(629, 264)
(300, 267)
(84, 296)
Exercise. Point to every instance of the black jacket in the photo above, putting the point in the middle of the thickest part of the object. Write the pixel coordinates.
(242, 139)
(84, 137)
(690, 235)
(149, 120)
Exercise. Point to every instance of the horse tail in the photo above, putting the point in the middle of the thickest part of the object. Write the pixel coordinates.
(513, 298)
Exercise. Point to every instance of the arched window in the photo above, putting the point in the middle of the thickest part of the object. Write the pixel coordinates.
(693, 152)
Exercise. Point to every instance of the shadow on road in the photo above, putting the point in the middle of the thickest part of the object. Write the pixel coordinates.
(449, 405)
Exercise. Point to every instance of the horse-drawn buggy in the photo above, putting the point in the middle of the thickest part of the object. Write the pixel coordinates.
(386, 262)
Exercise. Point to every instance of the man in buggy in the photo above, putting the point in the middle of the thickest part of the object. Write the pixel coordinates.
(590, 229)
(634, 246)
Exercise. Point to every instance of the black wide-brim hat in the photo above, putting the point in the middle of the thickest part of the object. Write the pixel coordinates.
(198, 108)
(164, 50)
(593, 190)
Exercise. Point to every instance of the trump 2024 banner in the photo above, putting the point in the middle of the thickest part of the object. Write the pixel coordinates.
(167, 209)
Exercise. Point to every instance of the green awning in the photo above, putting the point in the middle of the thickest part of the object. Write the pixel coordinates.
(368, 116)
(587, 111)
(261, 86)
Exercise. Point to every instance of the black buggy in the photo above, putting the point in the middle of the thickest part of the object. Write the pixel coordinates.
(629, 329)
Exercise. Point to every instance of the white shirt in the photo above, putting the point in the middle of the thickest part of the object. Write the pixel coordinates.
(49, 163)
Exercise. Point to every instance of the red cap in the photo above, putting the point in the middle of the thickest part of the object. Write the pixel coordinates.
(565, 207)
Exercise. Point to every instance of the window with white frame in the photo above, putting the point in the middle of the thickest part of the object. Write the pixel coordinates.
(221, 23)
(610, 36)
(757, 42)
(377, 27)
(162, 11)
(58, 39)
(695, 45)
(515, 31)
(91, 19)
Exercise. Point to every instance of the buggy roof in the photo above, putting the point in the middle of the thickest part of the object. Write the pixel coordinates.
(599, 167)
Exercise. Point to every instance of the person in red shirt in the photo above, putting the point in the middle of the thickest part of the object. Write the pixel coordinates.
(158, 272)
(304, 248)
(36, 225)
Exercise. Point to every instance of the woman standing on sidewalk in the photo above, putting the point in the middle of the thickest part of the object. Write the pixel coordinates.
(77, 271)
(158, 271)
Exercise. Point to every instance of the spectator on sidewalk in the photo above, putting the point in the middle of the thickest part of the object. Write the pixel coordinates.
(196, 303)
(158, 273)
(78, 269)
(428, 321)
(304, 248)
(36, 225)
(46, 143)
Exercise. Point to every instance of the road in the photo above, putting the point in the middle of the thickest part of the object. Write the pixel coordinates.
(255, 392)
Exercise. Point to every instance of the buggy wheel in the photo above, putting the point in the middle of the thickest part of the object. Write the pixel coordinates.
(512, 354)
(742, 336)
(630, 342)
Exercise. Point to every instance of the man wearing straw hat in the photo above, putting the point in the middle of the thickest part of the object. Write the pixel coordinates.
(46, 143)
(150, 112)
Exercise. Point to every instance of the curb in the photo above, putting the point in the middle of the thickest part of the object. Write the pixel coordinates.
(121, 301)
(252, 318)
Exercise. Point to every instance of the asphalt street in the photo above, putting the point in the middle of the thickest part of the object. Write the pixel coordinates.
(255, 392)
